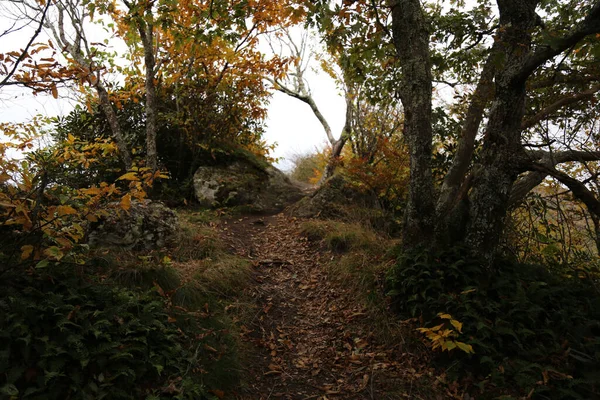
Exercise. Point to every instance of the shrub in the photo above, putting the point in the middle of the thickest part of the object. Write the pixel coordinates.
(62, 337)
(528, 328)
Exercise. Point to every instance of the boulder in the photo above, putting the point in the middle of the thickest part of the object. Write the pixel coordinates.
(244, 183)
(146, 225)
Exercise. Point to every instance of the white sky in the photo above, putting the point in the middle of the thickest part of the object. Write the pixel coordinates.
(290, 123)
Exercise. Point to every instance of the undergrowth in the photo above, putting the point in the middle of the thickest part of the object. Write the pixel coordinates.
(533, 334)
(64, 336)
(127, 324)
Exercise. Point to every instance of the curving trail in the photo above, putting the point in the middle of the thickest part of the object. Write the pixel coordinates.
(310, 338)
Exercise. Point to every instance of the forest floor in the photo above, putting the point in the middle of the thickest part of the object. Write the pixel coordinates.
(310, 337)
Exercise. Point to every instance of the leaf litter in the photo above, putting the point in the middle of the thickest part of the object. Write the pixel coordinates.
(310, 336)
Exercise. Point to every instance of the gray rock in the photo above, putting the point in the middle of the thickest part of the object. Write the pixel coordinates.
(146, 225)
(243, 183)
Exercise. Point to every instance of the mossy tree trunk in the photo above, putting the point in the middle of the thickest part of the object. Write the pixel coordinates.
(476, 197)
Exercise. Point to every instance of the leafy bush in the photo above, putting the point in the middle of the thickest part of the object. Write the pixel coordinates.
(61, 337)
(528, 328)
(309, 167)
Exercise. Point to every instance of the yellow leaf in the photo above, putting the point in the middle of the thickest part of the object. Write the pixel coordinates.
(65, 210)
(437, 328)
(27, 250)
(446, 332)
(70, 138)
(457, 325)
(130, 176)
(445, 316)
(54, 253)
(126, 202)
(467, 348)
(91, 191)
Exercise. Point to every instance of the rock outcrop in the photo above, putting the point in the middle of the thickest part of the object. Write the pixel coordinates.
(244, 183)
(146, 225)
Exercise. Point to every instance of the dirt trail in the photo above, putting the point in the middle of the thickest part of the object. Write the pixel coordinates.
(310, 338)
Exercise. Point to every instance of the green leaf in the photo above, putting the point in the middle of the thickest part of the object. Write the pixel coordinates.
(467, 348)
(9, 389)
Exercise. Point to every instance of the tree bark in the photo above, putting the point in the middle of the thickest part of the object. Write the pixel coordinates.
(147, 36)
(113, 123)
(411, 39)
(462, 159)
(503, 156)
(338, 145)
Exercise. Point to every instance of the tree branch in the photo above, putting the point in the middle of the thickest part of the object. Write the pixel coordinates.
(578, 189)
(565, 101)
(558, 157)
(462, 159)
(590, 25)
(26, 49)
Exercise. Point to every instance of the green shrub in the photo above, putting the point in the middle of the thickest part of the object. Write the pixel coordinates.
(61, 337)
(528, 328)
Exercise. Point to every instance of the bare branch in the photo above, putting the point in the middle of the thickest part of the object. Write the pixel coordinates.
(559, 157)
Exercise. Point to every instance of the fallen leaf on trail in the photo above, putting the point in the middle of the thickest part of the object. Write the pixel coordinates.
(209, 348)
(219, 393)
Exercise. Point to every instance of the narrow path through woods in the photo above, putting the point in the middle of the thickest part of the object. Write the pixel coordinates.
(310, 337)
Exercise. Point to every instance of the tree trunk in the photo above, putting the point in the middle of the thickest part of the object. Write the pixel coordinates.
(336, 151)
(411, 39)
(503, 156)
(147, 35)
(113, 123)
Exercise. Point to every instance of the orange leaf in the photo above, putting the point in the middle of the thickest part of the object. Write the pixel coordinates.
(65, 210)
(27, 249)
(126, 202)
(130, 176)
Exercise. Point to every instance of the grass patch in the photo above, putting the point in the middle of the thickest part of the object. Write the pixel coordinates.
(225, 276)
(342, 237)
(196, 238)
(145, 277)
